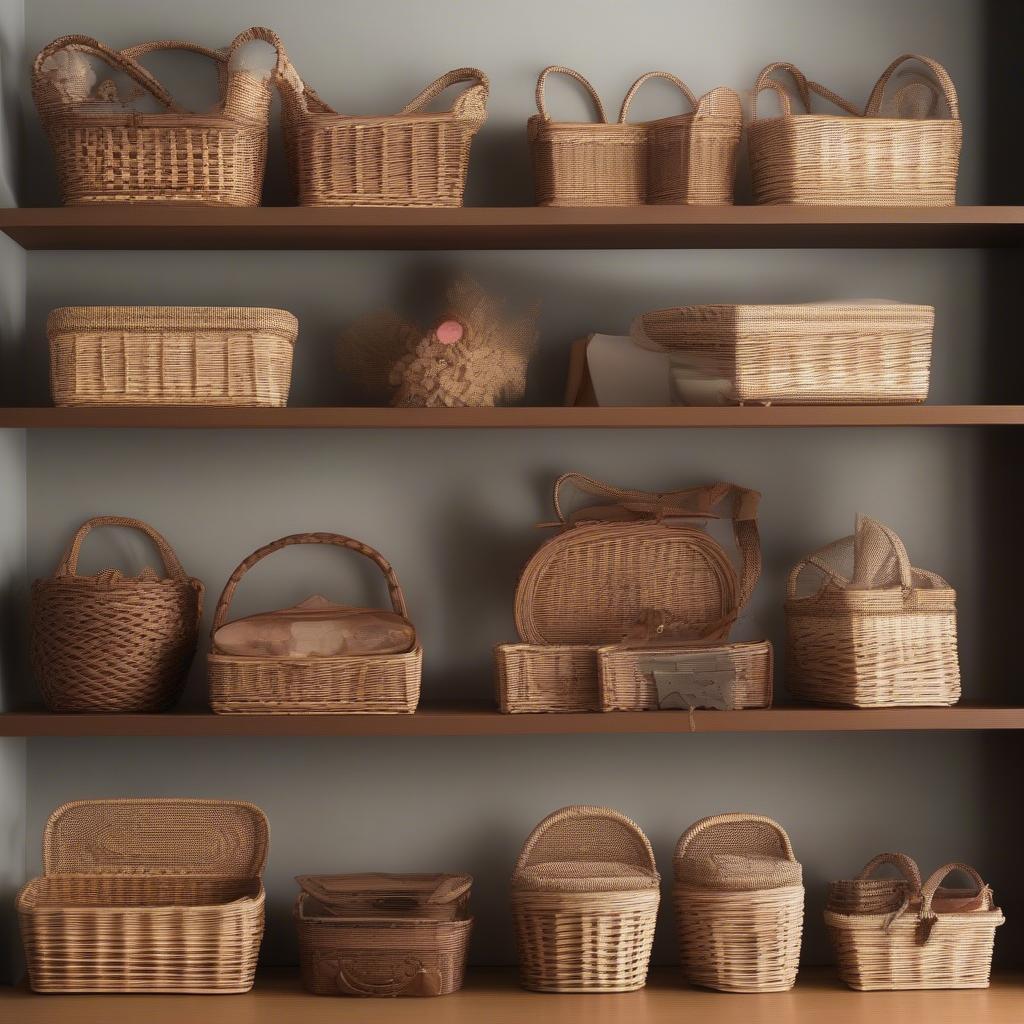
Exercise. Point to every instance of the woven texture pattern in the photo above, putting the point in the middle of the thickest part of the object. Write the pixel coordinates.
(431, 897)
(147, 896)
(546, 678)
(109, 642)
(903, 150)
(170, 355)
(107, 152)
(866, 894)
(368, 684)
(866, 629)
(812, 354)
(686, 159)
(584, 903)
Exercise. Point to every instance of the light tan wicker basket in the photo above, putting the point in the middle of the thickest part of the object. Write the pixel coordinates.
(866, 894)
(147, 896)
(686, 159)
(844, 353)
(928, 943)
(412, 158)
(866, 629)
(107, 152)
(584, 903)
(378, 684)
(899, 152)
(170, 355)
(739, 903)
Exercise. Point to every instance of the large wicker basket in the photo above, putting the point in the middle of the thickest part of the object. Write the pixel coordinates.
(378, 684)
(147, 896)
(908, 155)
(412, 158)
(686, 159)
(170, 355)
(584, 903)
(866, 629)
(846, 353)
(942, 939)
(114, 643)
(108, 152)
(739, 903)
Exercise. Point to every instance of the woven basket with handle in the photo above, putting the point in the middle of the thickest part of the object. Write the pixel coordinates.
(108, 152)
(377, 684)
(900, 151)
(147, 896)
(111, 642)
(867, 894)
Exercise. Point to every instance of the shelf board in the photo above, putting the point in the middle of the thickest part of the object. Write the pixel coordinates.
(516, 417)
(481, 719)
(495, 996)
(642, 227)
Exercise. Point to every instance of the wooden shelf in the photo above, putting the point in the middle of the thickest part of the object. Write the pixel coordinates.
(681, 227)
(481, 719)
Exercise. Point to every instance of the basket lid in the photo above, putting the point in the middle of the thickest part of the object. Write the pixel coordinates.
(181, 318)
(221, 838)
(427, 890)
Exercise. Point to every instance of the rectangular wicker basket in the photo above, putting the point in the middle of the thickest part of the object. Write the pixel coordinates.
(546, 678)
(170, 355)
(147, 896)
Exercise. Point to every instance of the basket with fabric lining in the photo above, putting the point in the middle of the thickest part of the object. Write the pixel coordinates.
(170, 355)
(739, 903)
(898, 151)
(585, 893)
(431, 897)
(147, 896)
(108, 152)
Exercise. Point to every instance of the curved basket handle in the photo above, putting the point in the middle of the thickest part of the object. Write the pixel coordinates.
(804, 89)
(143, 49)
(935, 880)
(942, 84)
(706, 824)
(336, 539)
(480, 87)
(558, 69)
(906, 866)
(263, 34)
(635, 87)
(415, 979)
(69, 563)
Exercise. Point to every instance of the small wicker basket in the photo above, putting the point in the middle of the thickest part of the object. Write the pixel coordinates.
(739, 902)
(908, 156)
(147, 896)
(866, 894)
(546, 678)
(107, 152)
(114, 643)
(377, 684)
(584, 903)
(170, 355)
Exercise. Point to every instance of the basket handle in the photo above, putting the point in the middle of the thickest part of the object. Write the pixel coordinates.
(635, 87)
(931, 887)
(411, 978)
(140, 50)
(939, 83)
(69, 562)
(336, 539)
(804, 89)
(558, 69)
(706, 824)
(480, 87)
(906, 866)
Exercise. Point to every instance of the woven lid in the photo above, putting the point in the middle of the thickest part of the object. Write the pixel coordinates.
(388, 890)
(738, 872)
(585, 876)
(181, 318)
(221, 838)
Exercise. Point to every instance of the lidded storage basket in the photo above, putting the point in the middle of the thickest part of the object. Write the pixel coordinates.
(866, 629)
(114, 643)
(147, 896)
(170, 355)
(739, 902)
(584, 903)
(686, 159)
(383, 935)
(903, 150)
(110, 150)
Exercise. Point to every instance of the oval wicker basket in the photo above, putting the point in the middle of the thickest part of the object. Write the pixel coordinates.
(108, 153)
(114, 643)
(378, 684)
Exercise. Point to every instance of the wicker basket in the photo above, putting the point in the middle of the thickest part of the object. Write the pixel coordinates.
(547, 678)
(114, 643)
(866, 894)
(584, 903)
(848, 353)
(379, 684)
(425, 897)
(147, 896)
(923, 944)
(170, 355)
(412, 158)
(865, 629)
(908, 155)
(686, 159)
(107, 152)
(739, 903)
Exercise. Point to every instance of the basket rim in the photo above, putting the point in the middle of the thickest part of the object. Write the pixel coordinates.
(876, 922)
(237, 902)
(268, 319)
(299, 909)
(861, 122)
(416, 653)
